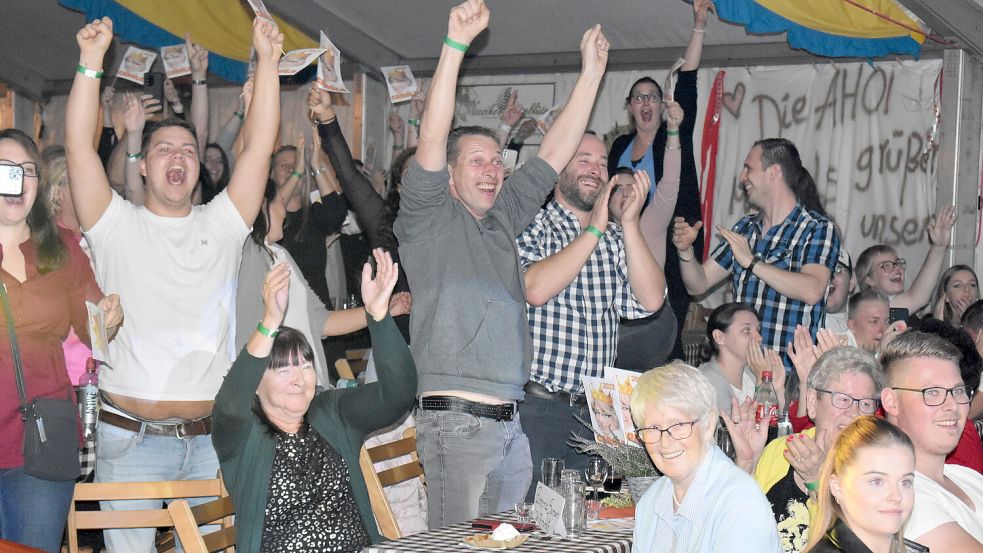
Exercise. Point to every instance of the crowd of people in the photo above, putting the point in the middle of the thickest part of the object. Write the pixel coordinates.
(489, 295)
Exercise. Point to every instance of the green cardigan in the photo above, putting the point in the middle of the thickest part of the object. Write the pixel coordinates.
(343, 417)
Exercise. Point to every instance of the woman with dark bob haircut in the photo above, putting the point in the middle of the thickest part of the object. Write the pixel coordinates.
(290, 456)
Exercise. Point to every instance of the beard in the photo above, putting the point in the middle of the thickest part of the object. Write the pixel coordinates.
(570, 188)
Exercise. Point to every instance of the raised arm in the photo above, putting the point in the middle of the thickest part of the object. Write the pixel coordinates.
(563, 138)
(198, 57)
(694, 49)
(920, 292)
(248, 181)
(466, 21)
(89, 184)
(136, 110)
(657, 217)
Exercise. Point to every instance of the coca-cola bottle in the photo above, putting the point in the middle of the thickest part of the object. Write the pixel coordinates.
(89, 386)
(767, 401)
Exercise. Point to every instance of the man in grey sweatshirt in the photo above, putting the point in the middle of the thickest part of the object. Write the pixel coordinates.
(456, 227)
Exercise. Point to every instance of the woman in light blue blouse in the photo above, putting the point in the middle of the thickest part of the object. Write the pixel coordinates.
(704, 503)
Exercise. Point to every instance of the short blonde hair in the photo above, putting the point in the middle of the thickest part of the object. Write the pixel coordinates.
(675, 385)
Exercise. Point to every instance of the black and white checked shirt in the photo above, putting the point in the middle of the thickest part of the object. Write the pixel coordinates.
(576, 333)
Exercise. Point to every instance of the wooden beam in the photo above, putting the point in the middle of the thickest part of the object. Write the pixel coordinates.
(959, 20)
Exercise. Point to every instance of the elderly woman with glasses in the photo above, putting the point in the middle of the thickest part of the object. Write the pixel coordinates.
(704, 502)
(844, 384)
(879, 267)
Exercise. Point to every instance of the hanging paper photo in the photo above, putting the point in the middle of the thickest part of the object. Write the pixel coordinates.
(329, 67)
(402, 85)
(295, 60)
(175, 60)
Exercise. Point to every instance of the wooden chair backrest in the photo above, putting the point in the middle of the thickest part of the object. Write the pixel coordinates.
(187, 520)
(377, 481)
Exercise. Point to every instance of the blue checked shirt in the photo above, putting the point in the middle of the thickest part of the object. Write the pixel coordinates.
(576, 332)
(804, 237)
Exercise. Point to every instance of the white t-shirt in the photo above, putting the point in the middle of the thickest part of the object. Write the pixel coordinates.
(935, 506)
(747, 387)
(176, 277)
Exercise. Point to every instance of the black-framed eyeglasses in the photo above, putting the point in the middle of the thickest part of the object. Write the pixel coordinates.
(888, 266)
(678, 431)
(30, 168)
(639, 98)
(935, 395)
(866, 405)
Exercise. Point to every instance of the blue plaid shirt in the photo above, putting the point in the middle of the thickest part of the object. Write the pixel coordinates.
(803, 238)
(576, 332)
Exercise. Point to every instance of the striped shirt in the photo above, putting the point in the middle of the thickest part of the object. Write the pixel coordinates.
(803, 238)
(576, 332)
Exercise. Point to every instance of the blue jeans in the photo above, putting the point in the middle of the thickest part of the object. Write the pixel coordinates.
(33, 511)
(549, 423)
(125, 456)
(474, 466)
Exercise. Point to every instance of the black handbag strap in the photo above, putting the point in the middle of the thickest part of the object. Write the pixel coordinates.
(14, 348)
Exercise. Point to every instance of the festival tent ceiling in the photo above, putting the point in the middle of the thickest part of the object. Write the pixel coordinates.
(38, 50)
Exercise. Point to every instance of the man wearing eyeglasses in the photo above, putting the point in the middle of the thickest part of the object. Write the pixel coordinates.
(927, 398)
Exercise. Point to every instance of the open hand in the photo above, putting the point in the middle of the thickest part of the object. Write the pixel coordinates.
(739, 246)
(940, 232)
(513, 111)
(805, 455)
(377, 291)
(276, 289)
(634, 197)
(467, 20)
(684, 234)
(748, 437)
(400, 304)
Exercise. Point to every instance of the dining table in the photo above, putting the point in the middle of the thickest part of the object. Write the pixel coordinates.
(604, 536)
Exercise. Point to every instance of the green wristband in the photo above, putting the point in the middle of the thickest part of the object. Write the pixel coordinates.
(413, 122)
(297, 174)
(265, 331)
(672, 133)
(594, 230)
(455, 44)
(812, 486)
(91, 73)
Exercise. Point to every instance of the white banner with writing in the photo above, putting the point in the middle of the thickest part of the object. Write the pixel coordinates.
(863, 132)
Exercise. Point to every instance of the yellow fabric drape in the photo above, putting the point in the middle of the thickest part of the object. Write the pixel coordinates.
(841, 18)
(222, 26)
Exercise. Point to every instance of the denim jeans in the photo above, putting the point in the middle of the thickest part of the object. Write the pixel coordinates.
(33, 511)
(549, 423)
(474, 466)
(125, 456)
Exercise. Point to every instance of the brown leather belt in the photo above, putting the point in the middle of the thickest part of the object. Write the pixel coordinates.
(503, 412)
(183, 429)
(536, 389)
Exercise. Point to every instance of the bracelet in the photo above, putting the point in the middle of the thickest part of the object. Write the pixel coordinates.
(455, 44)
(319, 171)
(750, 267)
(505, 128)
(199, 82)
(317, 122)
(670, 148)
(413, 122)
(239, 114)
(91, 73)
(672, 133)
(397, 147)
(594, 230)
(683, 259)
(703, 30)
(811, 486)
(297, 174)
(134, 157)
(265, 331)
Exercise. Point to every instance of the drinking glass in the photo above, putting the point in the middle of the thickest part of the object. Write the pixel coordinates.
(522, 510)
(552, 469)
(596, 473)
(574, 508)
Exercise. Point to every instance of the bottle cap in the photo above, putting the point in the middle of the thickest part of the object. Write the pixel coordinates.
(765, 375)
(91, 365)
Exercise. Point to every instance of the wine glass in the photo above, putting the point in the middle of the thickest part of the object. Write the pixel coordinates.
(597, 472)
(523, 510)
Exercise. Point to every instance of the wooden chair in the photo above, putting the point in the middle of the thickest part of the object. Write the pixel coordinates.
(187, 519)
(137, 518)
(377, 481)
(353, 363)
